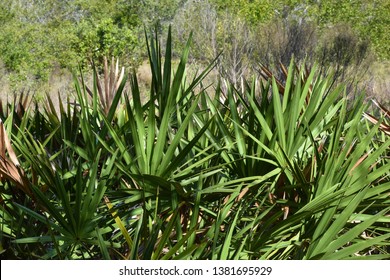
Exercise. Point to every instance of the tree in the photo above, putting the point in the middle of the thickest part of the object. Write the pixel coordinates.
(40, 36)
(368, 18)
(217, 33)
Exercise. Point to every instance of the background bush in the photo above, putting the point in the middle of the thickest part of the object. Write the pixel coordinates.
(38, 40)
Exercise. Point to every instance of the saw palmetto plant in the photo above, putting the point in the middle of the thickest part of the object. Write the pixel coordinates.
(280, 169)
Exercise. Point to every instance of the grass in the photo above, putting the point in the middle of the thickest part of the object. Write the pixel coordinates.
(277, 170)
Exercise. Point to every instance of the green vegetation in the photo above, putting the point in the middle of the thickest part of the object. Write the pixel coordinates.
(41, 40)
(37, 39)
(279, 168)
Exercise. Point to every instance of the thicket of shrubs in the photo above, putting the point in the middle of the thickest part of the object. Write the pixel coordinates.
(38, 42)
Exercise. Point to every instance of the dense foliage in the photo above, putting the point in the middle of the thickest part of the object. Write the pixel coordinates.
(40, 38)
(280, 169)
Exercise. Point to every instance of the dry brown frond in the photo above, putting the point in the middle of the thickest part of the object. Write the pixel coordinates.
(386, 115)
(361, 159)
(267, 74)
(9, 165)
(111, 80)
